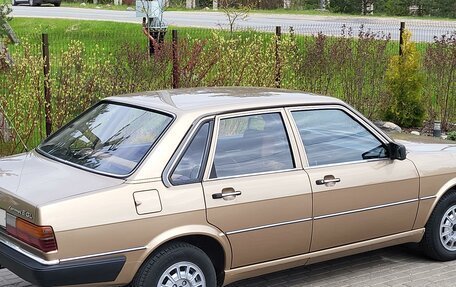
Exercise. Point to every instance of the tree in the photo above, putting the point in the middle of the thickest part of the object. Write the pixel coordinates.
(234, 11)
(346, 6)
(6, 33)
(366, 6)
(398, 7)
(441, 8)
(5, 10)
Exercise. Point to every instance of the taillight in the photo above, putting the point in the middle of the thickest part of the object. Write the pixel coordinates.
(41, 237)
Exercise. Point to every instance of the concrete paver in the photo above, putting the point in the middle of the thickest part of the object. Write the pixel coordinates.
(395, 266)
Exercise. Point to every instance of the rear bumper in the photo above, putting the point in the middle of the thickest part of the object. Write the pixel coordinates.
(84, 271)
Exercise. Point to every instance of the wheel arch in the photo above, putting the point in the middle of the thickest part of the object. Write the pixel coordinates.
(424, 215)
(212, 241)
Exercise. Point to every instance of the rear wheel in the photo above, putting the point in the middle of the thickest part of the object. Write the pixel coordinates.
(439, 241)
(177, 265)
(57, 4)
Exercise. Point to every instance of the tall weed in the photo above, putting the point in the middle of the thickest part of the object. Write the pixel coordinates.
(440, 79)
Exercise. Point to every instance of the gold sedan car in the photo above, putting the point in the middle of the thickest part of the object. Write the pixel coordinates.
(204, 187)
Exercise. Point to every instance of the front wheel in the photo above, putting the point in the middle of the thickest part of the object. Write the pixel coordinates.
(439, 241)
(177, 264)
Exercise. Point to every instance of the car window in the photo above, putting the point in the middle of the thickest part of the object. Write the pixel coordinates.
(251, 144)
(331, 136)
(109, 138)
(188, 169)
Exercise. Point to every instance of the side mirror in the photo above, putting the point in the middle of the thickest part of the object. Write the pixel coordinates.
(397, 151)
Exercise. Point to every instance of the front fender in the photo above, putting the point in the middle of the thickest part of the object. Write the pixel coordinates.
(429, 202)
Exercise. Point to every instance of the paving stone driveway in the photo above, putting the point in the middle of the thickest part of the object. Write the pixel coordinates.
(394, 266)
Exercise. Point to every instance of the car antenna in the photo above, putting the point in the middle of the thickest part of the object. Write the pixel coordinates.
(13, 127)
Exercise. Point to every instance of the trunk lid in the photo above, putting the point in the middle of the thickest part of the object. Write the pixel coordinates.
(30, 180)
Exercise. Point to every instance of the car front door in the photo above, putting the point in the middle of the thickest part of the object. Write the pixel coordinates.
(255, 188)
(359, 193)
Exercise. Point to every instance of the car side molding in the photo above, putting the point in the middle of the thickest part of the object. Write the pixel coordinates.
(321, 255)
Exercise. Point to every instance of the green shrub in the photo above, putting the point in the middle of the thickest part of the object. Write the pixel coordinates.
(451, 136)
(22, 101)
(351, 67)
(404, 87)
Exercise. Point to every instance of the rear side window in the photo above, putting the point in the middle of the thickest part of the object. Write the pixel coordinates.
(331, 136)
(189, 168)
(251, 144)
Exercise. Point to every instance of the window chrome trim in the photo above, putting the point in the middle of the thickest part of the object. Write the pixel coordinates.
(179, 152)
(253, 174)
(347, 163)
(365, 209)
(357, 117)
(288, 128)
(268, 226)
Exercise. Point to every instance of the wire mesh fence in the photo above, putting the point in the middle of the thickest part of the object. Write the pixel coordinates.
(346, 60)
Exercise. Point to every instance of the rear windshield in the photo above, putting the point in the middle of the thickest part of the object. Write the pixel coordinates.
(109, 138)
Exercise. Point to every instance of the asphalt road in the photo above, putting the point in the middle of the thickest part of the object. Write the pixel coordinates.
(422, 30)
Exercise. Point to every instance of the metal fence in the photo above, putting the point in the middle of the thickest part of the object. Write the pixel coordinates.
(84, 67)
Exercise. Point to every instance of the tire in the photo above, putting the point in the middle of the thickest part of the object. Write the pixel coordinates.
(164, 263)
(439, 240)
(57, 4)
(14, 3)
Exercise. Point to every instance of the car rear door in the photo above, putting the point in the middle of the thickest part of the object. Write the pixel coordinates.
(358, 192)
(255, 189)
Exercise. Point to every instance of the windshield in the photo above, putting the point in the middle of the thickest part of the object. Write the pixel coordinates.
(109, 138)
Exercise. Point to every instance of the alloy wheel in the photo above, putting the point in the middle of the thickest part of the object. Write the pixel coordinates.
(448, 229)
(182, 274)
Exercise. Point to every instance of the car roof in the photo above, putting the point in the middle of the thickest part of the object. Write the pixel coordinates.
(204, 101)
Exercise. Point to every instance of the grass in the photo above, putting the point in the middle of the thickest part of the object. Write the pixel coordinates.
(111, 35)
(24, 26)
(102, 30)
(101, 33)
(94, 34)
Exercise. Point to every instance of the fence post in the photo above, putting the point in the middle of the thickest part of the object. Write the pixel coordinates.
(278, 65)
(401, 34)
(175, 60)
(47, 88)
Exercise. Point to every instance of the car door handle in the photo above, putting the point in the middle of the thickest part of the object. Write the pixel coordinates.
(226, 194)
(326, 181)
